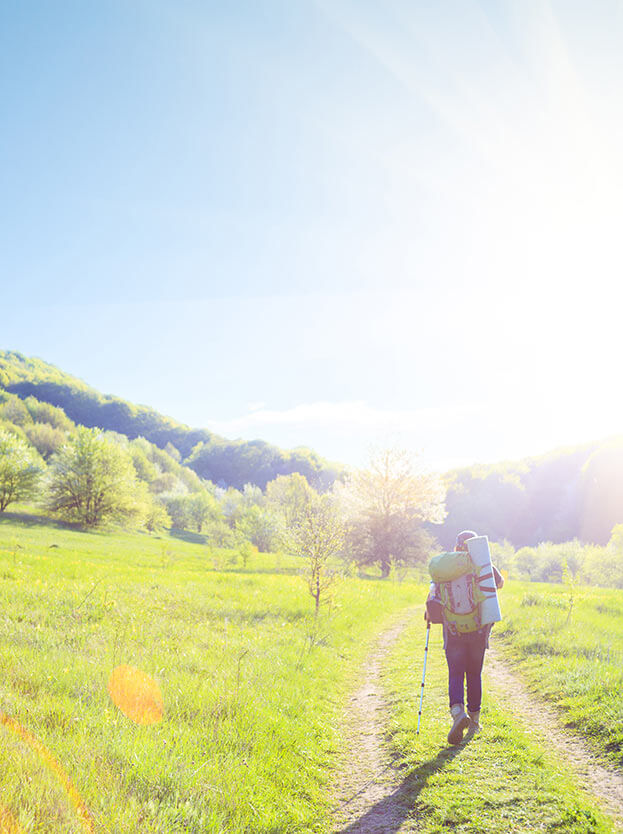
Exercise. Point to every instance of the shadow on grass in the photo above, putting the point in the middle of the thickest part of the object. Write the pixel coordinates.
(31, 520)
(187, 536)
(389, 814)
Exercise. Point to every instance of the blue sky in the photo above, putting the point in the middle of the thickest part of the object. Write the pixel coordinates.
(332, 224)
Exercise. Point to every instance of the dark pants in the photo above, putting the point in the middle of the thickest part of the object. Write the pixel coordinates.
(465, 655)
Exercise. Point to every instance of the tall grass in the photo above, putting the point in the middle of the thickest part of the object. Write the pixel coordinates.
(569, 642)
(499, 780)
(253, 689)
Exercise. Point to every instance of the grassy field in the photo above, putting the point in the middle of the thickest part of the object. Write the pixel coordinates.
(569, 645)
(500, 781)
(252, 689)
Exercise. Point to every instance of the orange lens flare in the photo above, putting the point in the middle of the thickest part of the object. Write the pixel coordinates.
(6, 820)
(136, 694)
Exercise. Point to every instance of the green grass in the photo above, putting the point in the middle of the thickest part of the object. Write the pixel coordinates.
(573, 657)
(499, 781)
(252, 688)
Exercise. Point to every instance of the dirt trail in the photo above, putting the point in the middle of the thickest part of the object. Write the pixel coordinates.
(603, 782)
(373, 796)
(369, 794)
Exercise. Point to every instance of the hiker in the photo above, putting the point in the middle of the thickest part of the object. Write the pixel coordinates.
(465, 654)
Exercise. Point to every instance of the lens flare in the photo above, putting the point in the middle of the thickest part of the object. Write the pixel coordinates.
(136, 694)
(6, 820)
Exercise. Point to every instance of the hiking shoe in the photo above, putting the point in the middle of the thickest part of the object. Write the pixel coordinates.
(460, 724)
(474, 721)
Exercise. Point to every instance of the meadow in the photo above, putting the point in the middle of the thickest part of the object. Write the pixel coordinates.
(253, 688)
(504, 779)
(568, 643)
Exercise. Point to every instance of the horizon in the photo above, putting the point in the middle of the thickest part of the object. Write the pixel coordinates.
(418, 458)
(321, 225)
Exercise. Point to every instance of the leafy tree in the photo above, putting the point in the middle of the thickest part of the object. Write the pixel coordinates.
(386, 506)
(236, 503)
(604, 565)
(167, 484)
(502, 554)
(526, 561)
(50, 414)
(92, 480)
(203, 508)
(551, 567)
(14, 411)
(145, 469)
(173, 452)
(289, 495)
(616, 539)
(178, 510)
(246, 550)
(259, 525)
(218, 533)
(19, 469)
(317, 534)
(45, 438)
(156, 517)
(202, 512)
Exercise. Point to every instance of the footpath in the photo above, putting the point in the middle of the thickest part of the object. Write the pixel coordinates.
(375, 794)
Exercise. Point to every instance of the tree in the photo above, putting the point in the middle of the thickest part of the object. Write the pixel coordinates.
(179, 511)
(259, 525)
(14, 411)
(502, 554)
(202, 508)
(604, 565)
(526, 561)
(317, 534)
(19, 469)
(289, 494)
(45, 438)
(92, 480)
(386, 506)
(156, 517)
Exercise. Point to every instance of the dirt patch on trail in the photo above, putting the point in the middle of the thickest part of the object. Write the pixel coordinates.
(603, 782)
(369, 793)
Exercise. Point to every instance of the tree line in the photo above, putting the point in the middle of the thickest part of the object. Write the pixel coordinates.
(571, 561)
(571, 493)
(226, 462)
(379, 516)
(373, 517)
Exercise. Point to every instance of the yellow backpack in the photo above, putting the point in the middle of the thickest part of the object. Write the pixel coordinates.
(455, 575)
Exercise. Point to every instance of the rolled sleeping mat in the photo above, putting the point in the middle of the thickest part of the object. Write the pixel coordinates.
(481, 557)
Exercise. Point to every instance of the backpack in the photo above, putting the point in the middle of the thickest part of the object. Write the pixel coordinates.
(460, 596)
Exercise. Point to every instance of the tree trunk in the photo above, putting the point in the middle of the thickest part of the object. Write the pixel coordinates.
(317, 595)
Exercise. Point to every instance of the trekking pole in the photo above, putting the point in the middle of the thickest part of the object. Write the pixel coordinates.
(419, 715)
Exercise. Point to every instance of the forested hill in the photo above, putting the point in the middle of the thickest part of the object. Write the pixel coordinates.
(230, 463)
(570, 493)
(567, 494)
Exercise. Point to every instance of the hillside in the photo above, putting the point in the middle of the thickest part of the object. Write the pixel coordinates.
(570, 493)
(225, 462)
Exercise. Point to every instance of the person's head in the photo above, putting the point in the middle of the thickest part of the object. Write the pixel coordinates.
(461, 539)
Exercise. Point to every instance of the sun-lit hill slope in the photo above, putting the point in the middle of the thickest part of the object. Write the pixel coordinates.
(228, 462)
(574, 492)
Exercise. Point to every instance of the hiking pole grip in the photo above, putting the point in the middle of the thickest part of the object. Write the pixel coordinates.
(419, 716)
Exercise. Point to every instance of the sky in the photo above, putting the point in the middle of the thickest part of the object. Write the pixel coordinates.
(319, 222)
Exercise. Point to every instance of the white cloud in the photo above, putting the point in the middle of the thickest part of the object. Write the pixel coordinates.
(355, 416)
